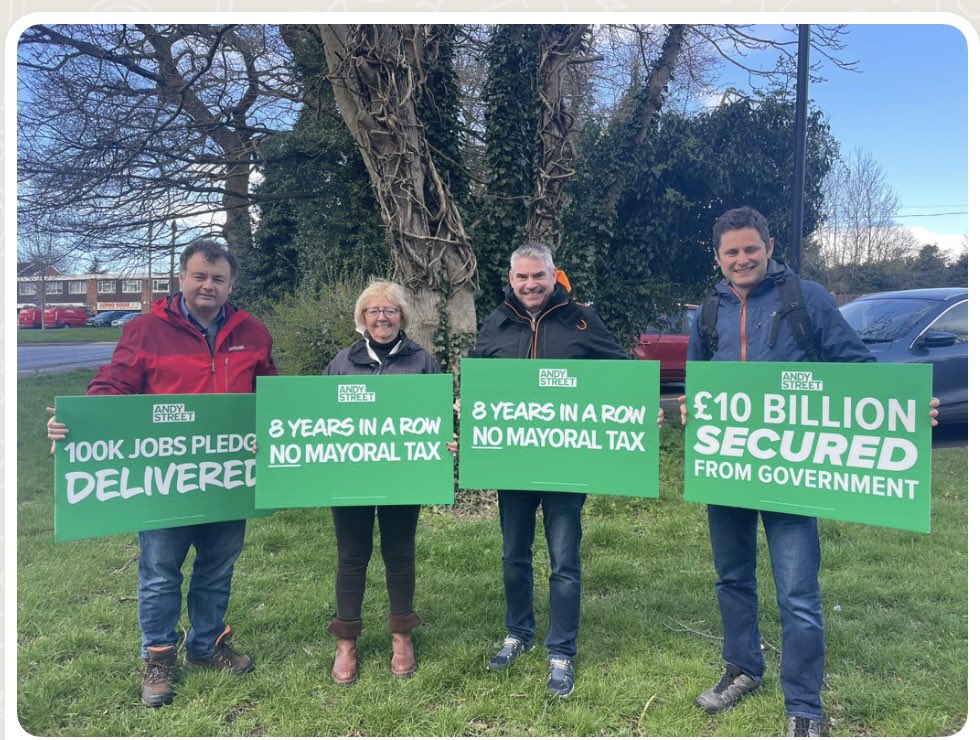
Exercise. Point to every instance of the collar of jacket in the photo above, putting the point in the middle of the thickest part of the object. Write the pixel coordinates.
(560, 297)
(169, 310)
(775, 269)
(360, 355)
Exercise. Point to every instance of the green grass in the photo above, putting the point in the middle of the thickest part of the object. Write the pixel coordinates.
(896, 613)
(74, 334)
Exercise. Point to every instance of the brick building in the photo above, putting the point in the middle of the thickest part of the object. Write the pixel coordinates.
(96, 292)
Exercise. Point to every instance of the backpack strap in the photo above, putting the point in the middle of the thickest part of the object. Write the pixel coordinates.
(708, 321)
(796, 315)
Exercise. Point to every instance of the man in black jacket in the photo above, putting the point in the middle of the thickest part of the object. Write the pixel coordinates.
(539, 319)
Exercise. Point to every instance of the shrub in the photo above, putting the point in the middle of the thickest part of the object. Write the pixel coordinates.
(310, 327)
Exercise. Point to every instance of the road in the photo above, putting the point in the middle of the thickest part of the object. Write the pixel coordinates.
(57, 358)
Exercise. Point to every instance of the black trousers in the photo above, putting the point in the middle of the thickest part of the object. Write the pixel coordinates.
(354, 526)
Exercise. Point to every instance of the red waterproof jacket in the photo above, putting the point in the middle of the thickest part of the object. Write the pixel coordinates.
(162, 352)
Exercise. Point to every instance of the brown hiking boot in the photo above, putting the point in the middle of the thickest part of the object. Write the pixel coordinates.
(158, 676)
(224, 658)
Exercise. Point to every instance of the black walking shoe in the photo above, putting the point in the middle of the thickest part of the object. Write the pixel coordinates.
(804, 727)
(510, 651)
(561, 677)
(733, 686)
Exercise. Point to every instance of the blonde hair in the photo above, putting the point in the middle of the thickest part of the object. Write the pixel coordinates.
(386, 290)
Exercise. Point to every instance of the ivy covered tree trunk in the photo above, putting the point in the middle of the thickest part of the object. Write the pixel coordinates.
(511, 100)
(556, 153)
(378, 74)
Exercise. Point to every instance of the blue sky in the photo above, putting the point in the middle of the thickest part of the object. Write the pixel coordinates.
(908, 108)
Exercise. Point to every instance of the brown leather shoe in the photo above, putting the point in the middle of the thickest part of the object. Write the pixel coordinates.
(345, 662)
(403, 662)
(157, 688)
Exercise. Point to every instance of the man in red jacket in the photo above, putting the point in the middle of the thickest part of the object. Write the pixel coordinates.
(192, 342)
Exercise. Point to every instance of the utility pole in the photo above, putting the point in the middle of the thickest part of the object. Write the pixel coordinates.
(173, 250)
(799, 146)
(149, 266)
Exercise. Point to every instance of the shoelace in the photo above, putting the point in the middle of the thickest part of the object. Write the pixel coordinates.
(801, 727)
(512, 642)
(155, 670)
(559, 663)
(727, 680)
(225, 655)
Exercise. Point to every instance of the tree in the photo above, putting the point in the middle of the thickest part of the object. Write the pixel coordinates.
(655, 248)
(860, 214)
(40, 258)
(957, 275)
(556, 156)
(174, 123)
(378, 75)
(510, 101)
(122, 127)
(327, 225)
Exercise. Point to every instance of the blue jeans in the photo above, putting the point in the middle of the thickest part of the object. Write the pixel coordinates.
(162, 553)
(563, 530)
(794, 550)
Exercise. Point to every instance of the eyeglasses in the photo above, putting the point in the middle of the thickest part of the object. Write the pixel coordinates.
(388, 312)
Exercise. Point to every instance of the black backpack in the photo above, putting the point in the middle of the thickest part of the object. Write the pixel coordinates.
(793, 310)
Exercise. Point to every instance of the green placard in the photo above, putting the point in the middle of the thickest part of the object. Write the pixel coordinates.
(586, 426)
(848, 441)
(354, 440)
(151, 462)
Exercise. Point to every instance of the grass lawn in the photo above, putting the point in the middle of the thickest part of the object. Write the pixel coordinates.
(896, 614)
(74, 334)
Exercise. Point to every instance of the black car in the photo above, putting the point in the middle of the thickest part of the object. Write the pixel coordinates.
(926, 325)
(105, 318)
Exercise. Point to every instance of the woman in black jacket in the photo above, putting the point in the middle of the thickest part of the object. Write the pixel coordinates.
(381, 316)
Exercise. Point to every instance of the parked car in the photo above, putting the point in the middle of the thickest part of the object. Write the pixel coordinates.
(29, 318)
(65, 317)
(669, 344)
(105, 318)
(125, 318)
(927, 325)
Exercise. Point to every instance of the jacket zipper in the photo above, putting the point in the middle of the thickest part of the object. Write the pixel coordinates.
(535, 323)
(743, 313)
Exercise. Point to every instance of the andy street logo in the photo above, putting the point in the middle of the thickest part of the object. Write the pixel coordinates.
(795, 380)
(354, 394)
(555, 378)
(165, 413)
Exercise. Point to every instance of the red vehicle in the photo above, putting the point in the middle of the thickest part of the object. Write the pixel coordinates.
(65, 317)
(669, 345)
(29, 318)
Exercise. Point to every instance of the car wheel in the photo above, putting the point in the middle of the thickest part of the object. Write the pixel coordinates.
(66, 326)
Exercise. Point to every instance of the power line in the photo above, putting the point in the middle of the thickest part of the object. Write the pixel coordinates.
(936, 205)
(927, 215)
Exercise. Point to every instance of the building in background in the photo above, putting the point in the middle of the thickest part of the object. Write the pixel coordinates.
(96, 292)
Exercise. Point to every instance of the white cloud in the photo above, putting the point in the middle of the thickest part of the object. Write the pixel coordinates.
(951, 245)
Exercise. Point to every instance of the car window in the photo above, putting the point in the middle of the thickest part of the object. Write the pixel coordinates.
(678, 323)
(885, 319)
(953, 321)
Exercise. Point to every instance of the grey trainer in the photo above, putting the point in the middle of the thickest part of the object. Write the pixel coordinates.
(733, 686)
(561, 677)
(805, 727)
(511, 650)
